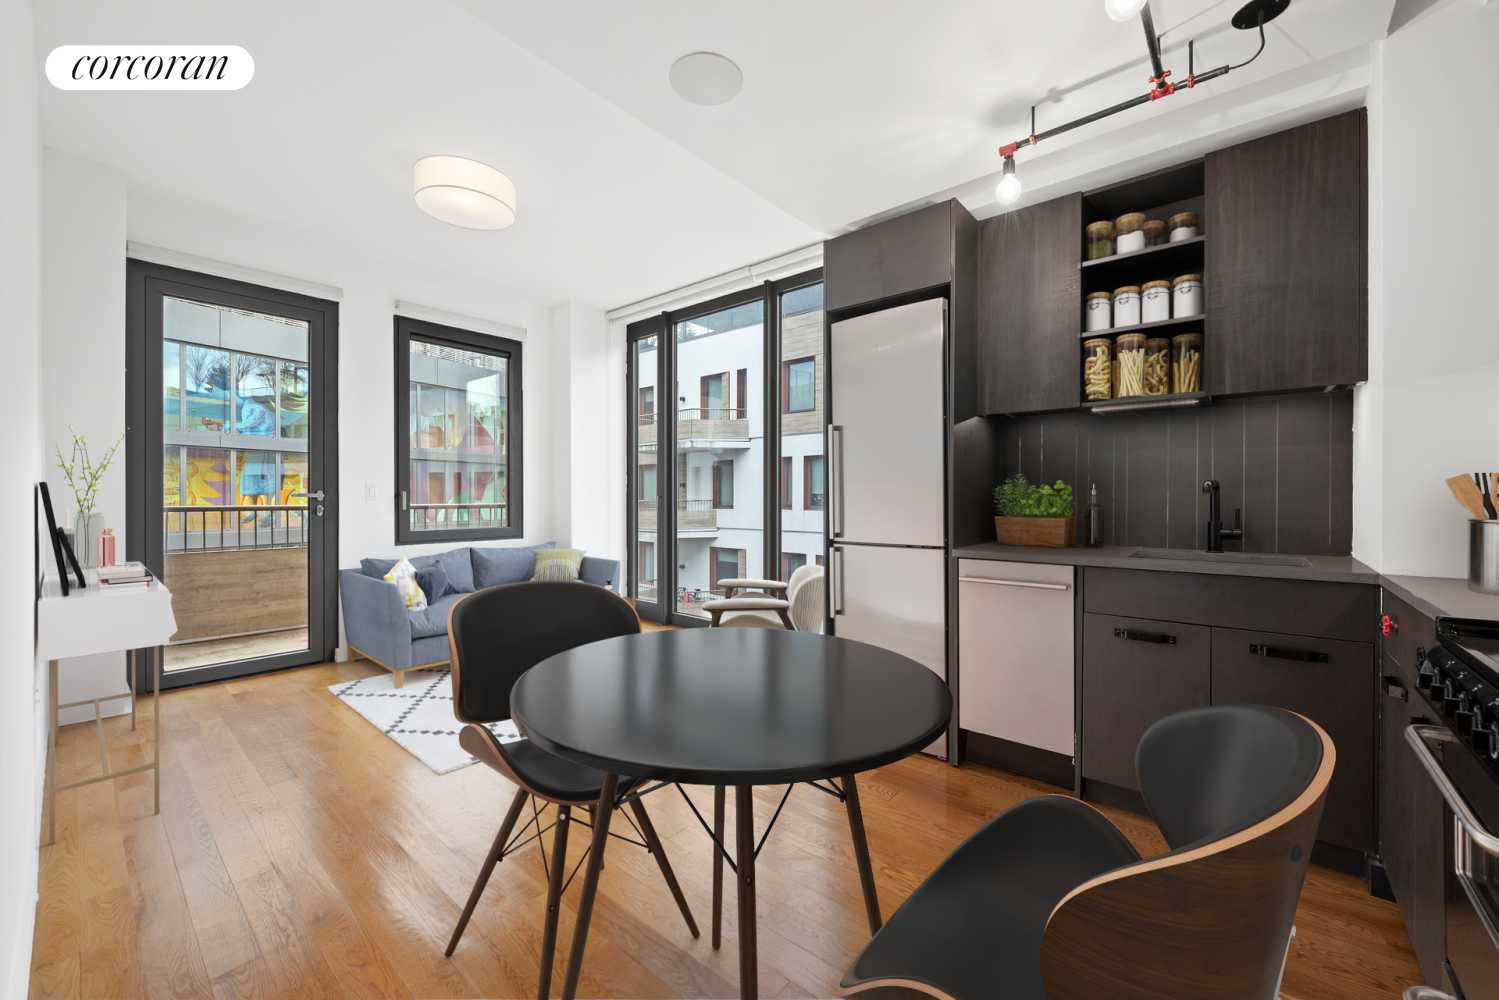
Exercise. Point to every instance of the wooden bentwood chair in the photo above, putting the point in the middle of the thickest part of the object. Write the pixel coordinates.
(496, 635)
(1049, 901)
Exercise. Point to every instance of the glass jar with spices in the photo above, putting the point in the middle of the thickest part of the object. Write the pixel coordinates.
(1155, 301)
(1098, 372)
(1186, 362)
(1183, 226)
(1186, 296)
(1129, 234)
(1129, 348)
(1127, 305)
(1099, 311)
(1157, 366)
(1100, 240)
(1155, 232)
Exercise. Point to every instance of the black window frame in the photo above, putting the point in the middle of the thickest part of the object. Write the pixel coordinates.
(405, 329)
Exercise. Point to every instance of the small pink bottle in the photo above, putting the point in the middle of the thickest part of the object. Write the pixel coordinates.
(106, 547)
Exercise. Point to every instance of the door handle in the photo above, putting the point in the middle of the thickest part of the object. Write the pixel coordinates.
(1013, 583)
(1417, 736)
(835, 478)
(316, 496)
(1165, 640)
(837, 581)
(1304, 655)
(403, 500)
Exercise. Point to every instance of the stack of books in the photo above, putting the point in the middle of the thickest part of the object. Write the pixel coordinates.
(131, 574)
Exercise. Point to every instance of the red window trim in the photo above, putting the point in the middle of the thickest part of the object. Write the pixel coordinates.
(807, 483)
(786, 384)
(702, 388)
(713, 551)
(717, 502)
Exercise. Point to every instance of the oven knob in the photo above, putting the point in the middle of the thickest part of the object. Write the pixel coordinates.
(1453, 707)
(1439, 693)
(1462, 721)
(1483, 740)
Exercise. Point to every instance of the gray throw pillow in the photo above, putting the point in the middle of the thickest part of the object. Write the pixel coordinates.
(455, 562)
(377, 568)
(434, 582)
(512, 564)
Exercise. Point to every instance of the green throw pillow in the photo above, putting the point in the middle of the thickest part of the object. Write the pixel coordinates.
(558, 564)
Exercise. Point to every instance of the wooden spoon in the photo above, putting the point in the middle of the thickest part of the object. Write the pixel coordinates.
(1466, 492)
(1494, 489)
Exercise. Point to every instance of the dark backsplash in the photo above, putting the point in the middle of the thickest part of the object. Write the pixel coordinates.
(1287, 461)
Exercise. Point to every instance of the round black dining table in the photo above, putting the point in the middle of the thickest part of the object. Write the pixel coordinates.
(729, 707)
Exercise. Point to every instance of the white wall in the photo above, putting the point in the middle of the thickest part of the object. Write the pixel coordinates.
(21, 710)
(1434, 341)
(585, 387)
(366, 360)
(83, 361)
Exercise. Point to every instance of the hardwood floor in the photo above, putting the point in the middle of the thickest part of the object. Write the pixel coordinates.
(301, 853)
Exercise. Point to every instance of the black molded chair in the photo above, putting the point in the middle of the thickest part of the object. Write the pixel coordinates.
(1049, 900)
(495, 636)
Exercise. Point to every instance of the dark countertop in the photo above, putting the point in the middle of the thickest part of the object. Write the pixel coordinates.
(1433, 596)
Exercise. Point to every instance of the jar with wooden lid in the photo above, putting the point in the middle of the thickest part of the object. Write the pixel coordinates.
(1157, 366)
(1155, 232)
(1129, 349)
(1182, 226)
(1155, 301)
(1098, 312)
(1127, 305)
(1186, 296)
(1098, 368)
(1100, 240)
(1129, 232)
(1186, 362)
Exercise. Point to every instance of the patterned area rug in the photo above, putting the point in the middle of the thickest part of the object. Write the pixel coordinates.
(419, 716)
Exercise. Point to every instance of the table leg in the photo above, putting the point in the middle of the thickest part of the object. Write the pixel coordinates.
(718, 797)
(135, 682)
(601, 816)
(861, 851)
(744, 846)
(156, 729)
(51, 751)
(554, 900)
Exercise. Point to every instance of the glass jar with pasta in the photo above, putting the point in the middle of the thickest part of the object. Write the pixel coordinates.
(1129, 349)
(1186, 362)
(1157, 366)
(1098, 369)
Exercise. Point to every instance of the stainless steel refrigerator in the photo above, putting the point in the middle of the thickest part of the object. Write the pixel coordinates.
(886, 447)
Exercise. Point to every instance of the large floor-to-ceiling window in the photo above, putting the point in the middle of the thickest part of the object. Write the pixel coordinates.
(718, 481)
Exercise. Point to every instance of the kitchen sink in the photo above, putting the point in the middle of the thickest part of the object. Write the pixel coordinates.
(1193, 555)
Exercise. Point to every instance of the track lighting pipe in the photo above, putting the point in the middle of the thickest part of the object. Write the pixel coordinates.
(1153, 43)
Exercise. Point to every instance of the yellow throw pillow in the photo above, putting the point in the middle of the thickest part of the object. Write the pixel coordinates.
(403, 575)
(558, 564)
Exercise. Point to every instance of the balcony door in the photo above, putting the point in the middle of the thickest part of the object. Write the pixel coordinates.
(707, 488)
(231, 465)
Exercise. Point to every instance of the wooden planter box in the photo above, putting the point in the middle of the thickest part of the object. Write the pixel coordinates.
(1055, 532)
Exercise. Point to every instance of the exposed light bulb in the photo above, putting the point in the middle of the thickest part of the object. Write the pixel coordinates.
(1007, 191)
(1123, 10)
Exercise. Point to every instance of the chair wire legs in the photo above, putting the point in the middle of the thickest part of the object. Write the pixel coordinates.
(489, 863)
(649, 831)
(554, 899)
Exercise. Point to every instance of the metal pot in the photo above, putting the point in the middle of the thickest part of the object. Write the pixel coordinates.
(1483, 556)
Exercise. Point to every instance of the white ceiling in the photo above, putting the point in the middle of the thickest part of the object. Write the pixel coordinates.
(850, 109)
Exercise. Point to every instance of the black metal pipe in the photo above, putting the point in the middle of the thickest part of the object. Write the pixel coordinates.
(1152, 43)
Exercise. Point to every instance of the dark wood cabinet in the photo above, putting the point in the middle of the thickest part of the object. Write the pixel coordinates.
(1328, 681)
(905, 254)
(1030, 309)
(1287, 259)
(1135, 672)
(1412, 834)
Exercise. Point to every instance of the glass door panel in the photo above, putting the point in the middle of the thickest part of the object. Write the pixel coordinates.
(719, 359)
(645, 586)
(802, 489)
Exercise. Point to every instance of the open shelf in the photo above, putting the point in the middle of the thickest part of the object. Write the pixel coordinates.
(1129, 404)
(1162, 325)
(1163, 257)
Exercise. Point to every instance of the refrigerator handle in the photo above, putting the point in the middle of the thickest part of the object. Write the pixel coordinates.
(837, 581)
(835, 478)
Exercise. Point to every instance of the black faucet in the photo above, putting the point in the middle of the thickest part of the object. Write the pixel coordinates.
(1216, 531)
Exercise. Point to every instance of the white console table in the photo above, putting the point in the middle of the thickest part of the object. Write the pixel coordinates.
(101, 620)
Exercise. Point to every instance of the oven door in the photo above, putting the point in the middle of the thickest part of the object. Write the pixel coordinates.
(1472, 908)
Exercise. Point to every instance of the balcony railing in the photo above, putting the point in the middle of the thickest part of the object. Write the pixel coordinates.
(439, 516)
(699, 422)
(691, 514)
(229, 528)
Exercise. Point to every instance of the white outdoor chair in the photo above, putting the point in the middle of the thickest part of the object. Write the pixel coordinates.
(800, 610)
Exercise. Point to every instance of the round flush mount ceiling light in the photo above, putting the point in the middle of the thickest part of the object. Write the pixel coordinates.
(464, 192)
(705, 78)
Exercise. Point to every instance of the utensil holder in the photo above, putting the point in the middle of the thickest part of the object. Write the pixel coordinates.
(1483, 556)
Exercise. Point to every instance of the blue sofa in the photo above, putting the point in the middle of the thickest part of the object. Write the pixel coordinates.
(380, 627)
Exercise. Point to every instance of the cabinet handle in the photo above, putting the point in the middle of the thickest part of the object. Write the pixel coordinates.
(837, 581)
(1304, 655)
(835, 480)
(1165, 640)
(1394, 689)
(1014, 583)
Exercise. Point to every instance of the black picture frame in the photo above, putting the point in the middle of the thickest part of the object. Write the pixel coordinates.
(59, 544)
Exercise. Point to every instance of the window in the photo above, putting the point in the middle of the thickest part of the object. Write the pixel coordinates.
(715, 401)
(723, 485)
(814, 489)
(647, 480)
(724, 564)
(798, 385)
(648, 563)
(785, 484)
(790, 563)
(741, 399)
(647, 404)
(458, 460)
